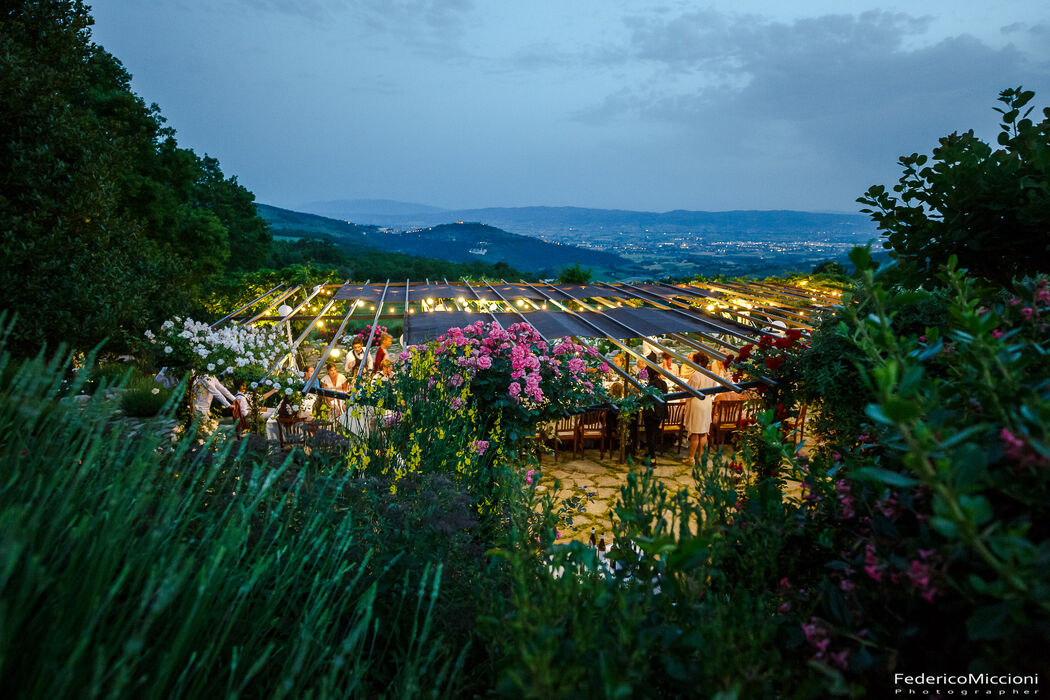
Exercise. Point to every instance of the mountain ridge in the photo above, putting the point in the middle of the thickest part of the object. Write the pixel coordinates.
(454, 242)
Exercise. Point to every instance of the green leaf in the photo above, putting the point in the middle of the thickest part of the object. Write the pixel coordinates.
(900, 410)
(861, 257)
(989, 622)
(885, 476)
(979, 508)
(874, 411)
(945, 527)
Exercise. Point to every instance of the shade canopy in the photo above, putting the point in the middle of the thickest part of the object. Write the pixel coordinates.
(714, 318)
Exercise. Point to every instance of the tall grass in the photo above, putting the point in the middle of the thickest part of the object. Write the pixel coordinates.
(130, 566)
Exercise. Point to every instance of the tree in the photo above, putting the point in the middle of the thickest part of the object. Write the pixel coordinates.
(989, 207)
(106, 225)
(575, 274)
(829, 267)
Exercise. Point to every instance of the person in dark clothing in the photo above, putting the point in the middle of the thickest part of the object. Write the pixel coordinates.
(654, 414)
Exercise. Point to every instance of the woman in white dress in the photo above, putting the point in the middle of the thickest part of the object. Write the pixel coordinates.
(697, 412)
(334, 380)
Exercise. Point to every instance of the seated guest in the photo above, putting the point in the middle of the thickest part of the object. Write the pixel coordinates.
(334, 381)
(719, 368)
(355, 357)
(242, 406)
(385, 340)
(668, 366)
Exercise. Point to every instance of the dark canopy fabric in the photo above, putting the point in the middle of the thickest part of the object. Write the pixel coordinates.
(618, 323)
(395, 292)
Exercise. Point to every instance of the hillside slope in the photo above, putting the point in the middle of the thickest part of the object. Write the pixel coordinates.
(452, 242)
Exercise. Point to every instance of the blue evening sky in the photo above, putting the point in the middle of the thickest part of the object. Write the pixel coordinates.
(748, 104)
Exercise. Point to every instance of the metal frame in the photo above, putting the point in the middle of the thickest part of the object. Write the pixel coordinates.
(280, 297)
(253, 302)
(678, 380)
(616, 368)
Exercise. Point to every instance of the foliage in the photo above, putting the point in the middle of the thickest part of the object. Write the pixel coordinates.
(351, 260)
(514, 375)
(234, 290)
(191, 573)
(107, 225)
(574, 274)
(143, 398)
(988, 207)
(830, 267)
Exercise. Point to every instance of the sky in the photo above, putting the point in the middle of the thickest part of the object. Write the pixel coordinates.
(749, 104)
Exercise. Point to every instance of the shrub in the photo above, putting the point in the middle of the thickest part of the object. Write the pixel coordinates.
(140, 567)
(143, 398)
(989, 208)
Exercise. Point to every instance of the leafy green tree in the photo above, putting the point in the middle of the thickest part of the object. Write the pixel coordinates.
(575, 274)
(829, 267)
(106, 225)
(989, 207)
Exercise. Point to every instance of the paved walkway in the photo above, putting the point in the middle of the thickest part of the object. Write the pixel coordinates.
(598, 481)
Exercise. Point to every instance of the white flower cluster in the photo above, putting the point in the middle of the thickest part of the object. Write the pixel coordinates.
(228, 347)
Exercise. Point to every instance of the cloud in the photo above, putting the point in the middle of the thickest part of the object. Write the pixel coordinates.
(842, 82)
(388, 16)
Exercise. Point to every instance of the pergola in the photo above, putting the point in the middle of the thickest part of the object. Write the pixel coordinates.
(715, 318)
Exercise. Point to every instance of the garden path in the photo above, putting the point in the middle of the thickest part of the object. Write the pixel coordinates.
(599, 481)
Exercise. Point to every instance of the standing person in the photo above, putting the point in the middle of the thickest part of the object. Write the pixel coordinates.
(356, 357)
(697, 412)
(385, 340)
(654, 415)
(334, 380)
(207, 388)
(719, 368)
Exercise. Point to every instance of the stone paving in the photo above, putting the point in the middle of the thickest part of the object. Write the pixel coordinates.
(599, 481)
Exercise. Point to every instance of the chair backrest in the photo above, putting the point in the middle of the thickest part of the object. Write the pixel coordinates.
(593, 421)
(675, 413)
(242, 422)
(728, 411)
(565, 426)
(291, 431)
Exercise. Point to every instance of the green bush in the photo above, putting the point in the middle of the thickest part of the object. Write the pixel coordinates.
(133, 566)
(989, 208)
(141, 397)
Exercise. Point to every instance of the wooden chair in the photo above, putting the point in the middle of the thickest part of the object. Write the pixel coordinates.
(292, 432)
(674, 424)
(796, 425)
(240, 426)
(592, 427)
(726, 420)
(566, 429)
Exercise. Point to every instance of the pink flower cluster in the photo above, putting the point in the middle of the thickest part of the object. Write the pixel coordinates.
(480, 446)
(1019, 451)
(820, 640)
(484, 347)
(920, 575)
(845, 500)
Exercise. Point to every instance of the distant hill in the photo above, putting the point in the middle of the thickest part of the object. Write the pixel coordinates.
(368, 209)
(546, 220)
(455, 242)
